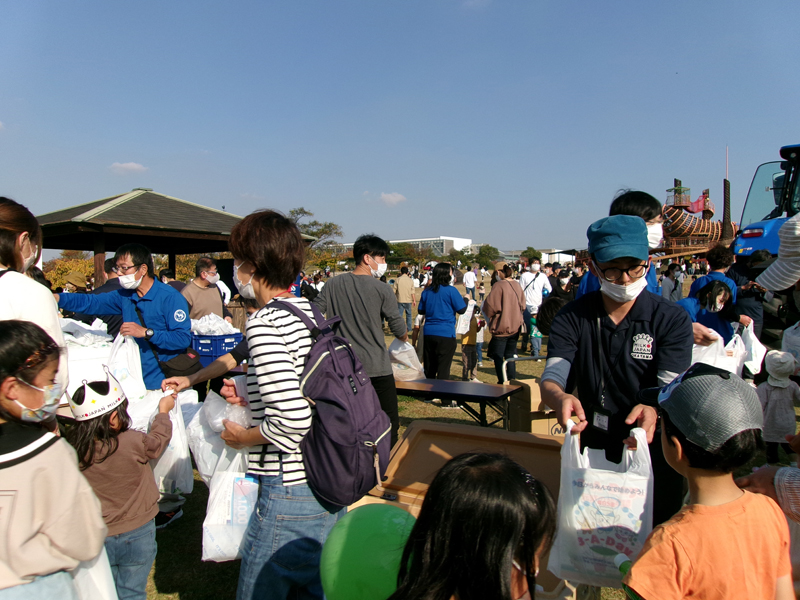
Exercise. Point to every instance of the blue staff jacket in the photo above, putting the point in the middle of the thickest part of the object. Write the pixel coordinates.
(164, 310)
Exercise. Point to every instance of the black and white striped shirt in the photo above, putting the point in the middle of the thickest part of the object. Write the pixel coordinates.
(279, 343)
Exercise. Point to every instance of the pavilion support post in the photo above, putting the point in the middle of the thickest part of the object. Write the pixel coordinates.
(99, 260)
(172, 263)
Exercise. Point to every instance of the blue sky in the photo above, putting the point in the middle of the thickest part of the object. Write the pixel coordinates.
(508, 122)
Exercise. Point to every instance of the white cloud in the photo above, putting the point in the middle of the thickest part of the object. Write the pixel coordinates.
(366, 193)
(127, 168)
(392, 199)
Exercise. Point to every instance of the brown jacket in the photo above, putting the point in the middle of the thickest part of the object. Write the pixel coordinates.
(503, 307)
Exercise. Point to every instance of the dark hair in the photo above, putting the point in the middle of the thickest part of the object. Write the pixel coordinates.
(139, 255)
(758, 256)
(25, 349)
(108, 265)
(371, 244)
(440, 276)
(481, 513)
(719, 257)
(548, 265)
(635, 204)
(37, 275)
(168, 273)
(547, 312)
(734, 453)
(272, 243)
(403, 270)
(84, 435)
(204, 263)
(249, 303)
(14, 220)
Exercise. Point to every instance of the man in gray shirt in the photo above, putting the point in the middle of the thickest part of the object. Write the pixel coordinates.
(363, 303)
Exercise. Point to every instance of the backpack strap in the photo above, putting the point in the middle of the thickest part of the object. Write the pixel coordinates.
(315, 328)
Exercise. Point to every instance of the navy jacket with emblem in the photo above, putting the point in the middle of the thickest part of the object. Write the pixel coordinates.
(656, 335)
(164, 310)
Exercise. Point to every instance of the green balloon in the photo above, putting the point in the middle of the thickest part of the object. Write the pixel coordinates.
(361, 557)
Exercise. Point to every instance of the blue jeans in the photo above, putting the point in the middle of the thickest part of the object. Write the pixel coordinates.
(131, 557)
(283, 543)
(536, 346)
(471, 292)
(56, 585)
(406, 306)
(479, 350)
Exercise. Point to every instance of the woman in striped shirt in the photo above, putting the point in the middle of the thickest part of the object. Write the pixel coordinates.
(282, 546)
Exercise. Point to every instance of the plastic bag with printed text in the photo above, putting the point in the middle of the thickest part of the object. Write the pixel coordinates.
(231, 501)
(405, 363)
(604, 509)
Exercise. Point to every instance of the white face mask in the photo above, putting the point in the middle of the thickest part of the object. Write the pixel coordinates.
(164, 280)
(655, 233)
(623, 293)
(212, 279)
(381, 268)
(245, 289)
(27, 263)
(715, 306)
(535, 267)
(452, 279)
(129, 282)
(52, 394)
(563, 282)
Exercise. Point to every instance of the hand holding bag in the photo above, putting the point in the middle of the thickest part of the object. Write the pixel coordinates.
(183, 365)
(604, 509)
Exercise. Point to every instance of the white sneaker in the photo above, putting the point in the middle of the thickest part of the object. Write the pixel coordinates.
(476, 380)
(480, 364)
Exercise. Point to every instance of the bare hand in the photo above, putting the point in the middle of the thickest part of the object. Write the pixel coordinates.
(176, 383)
(644, 417)
(745, 320)
(133, 329)
(703, 336)
(167, 403)
(228, 392)
(231, 434)
(761, 481)
(229, 320)
(404, 337)
(794, 442)
(569, 405)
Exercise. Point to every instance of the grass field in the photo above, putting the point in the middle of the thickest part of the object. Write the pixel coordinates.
(179, 573)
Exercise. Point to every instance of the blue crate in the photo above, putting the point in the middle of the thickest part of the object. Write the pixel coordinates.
(211, 347)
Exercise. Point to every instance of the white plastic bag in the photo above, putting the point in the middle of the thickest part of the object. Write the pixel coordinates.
(730, 357)
(93, 579)
(125, 365)
(791, 341)
(755, 351)
(604, 509)
(231, 502)
(173, 469)
(215, 407)
(405, 363)
(206, 445)
(462, 326)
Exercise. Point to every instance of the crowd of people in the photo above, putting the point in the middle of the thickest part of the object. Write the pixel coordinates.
(619, 355)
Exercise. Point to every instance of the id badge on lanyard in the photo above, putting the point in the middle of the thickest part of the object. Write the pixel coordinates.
(602, 416)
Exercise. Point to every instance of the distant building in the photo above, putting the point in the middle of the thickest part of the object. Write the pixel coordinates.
(440, 246)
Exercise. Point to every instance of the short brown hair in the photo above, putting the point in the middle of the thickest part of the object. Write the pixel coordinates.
(14, 220)
(272, 243)
(204, 263)
(719, 257)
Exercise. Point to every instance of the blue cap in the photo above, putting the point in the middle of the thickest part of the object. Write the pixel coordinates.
(618, 237)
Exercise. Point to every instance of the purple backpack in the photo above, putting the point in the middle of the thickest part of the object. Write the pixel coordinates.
(346, 451)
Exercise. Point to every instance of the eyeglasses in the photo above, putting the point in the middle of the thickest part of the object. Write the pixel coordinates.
(613, 273)
(124, 270)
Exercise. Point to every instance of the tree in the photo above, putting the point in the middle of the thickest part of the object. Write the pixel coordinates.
(487, 255)
(322, 231)
(531, 253)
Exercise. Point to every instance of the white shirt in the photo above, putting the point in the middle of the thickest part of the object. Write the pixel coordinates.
(24, 299)
(533, 286)
(226, 292)
(469, 279)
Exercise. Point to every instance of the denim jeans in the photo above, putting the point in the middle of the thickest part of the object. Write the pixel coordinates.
(536, 346)
(283, 543)
(479, 350)
(131, 557)
(471, 292)
(56, 585)
(500, 348)
(406, 306)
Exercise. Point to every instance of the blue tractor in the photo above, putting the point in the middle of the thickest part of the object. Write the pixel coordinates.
(773, 198)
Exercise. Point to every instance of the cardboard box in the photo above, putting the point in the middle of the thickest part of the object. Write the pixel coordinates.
(426, 446)
(527, 411)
